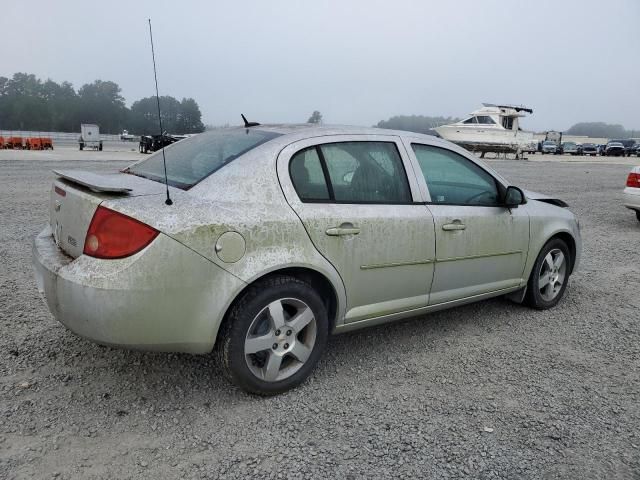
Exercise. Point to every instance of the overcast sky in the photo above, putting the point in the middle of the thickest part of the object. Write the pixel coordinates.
(357, 61)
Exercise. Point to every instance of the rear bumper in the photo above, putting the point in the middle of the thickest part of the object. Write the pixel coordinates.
(631, 198)
(165, 298)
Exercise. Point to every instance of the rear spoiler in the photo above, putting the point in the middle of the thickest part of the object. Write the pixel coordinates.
(94, 181)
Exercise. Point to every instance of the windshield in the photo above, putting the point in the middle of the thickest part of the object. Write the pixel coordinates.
(191, 160)
(549, 142)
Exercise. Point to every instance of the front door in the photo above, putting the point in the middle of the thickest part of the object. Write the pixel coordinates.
(481, 246)
(356, 202)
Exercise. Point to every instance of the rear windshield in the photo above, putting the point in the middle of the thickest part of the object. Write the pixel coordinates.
(191, 160)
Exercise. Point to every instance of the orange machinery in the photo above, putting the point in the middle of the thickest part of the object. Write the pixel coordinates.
(14, 142)
(47, 143)
(33, 144)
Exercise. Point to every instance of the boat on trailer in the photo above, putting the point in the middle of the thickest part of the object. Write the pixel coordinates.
(492, 128)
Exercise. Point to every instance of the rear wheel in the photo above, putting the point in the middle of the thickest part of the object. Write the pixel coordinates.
(549, 276)
(274, 336)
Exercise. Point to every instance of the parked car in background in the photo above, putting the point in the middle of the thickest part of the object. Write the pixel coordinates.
(549, 146)
(153, 143)
(629, 146)
(125, 136)
(570, 148)
(614, 149)
(636, 150)
(589, 149)
(631, 192)
(280, 235)
(532, 147)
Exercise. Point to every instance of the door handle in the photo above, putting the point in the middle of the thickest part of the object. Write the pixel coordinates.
(455, 225)
(344, 229)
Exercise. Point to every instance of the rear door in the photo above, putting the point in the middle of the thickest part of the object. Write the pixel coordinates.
(358, 199)
(481, 246)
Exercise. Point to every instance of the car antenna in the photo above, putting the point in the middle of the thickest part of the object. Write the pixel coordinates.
(248, 124)
(168, 201)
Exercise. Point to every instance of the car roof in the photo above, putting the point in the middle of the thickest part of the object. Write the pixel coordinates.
(293, 132)
(311, 129)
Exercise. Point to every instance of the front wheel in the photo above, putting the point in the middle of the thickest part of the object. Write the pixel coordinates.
(549, 276)
(274, 336)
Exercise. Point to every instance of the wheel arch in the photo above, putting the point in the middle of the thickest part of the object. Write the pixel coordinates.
(319, 281)
(568, 239)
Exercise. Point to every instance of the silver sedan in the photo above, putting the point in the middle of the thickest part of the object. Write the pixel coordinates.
(277, 236)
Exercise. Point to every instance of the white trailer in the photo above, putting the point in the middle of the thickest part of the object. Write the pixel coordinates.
(90, 137)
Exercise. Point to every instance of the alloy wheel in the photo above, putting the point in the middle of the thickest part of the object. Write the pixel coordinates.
(553, 272)
(280, 339)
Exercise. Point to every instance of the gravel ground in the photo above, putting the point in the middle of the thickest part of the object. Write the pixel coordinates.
(491, 390)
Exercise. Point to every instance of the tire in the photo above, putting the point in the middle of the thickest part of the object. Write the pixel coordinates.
(298, 349)
(638, 215)
(542, 269)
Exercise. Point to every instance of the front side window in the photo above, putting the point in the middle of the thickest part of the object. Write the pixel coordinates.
(352, 172)
(453, 179)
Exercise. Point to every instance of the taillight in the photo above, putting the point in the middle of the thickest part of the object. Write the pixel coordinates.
(114, 235)
(633, 180)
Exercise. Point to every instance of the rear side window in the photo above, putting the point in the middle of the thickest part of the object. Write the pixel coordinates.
(191, 160)
(352, 172)
(307, 175)
(453, 179)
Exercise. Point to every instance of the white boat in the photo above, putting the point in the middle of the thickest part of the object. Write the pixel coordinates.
(493, 128)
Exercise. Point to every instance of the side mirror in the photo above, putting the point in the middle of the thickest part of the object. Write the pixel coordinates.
(514, 197)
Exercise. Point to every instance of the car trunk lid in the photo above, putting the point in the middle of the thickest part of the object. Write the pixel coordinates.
(75, 196)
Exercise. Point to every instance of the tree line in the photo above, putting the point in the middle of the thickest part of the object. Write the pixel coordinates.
(28, 103)
(603, 130)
